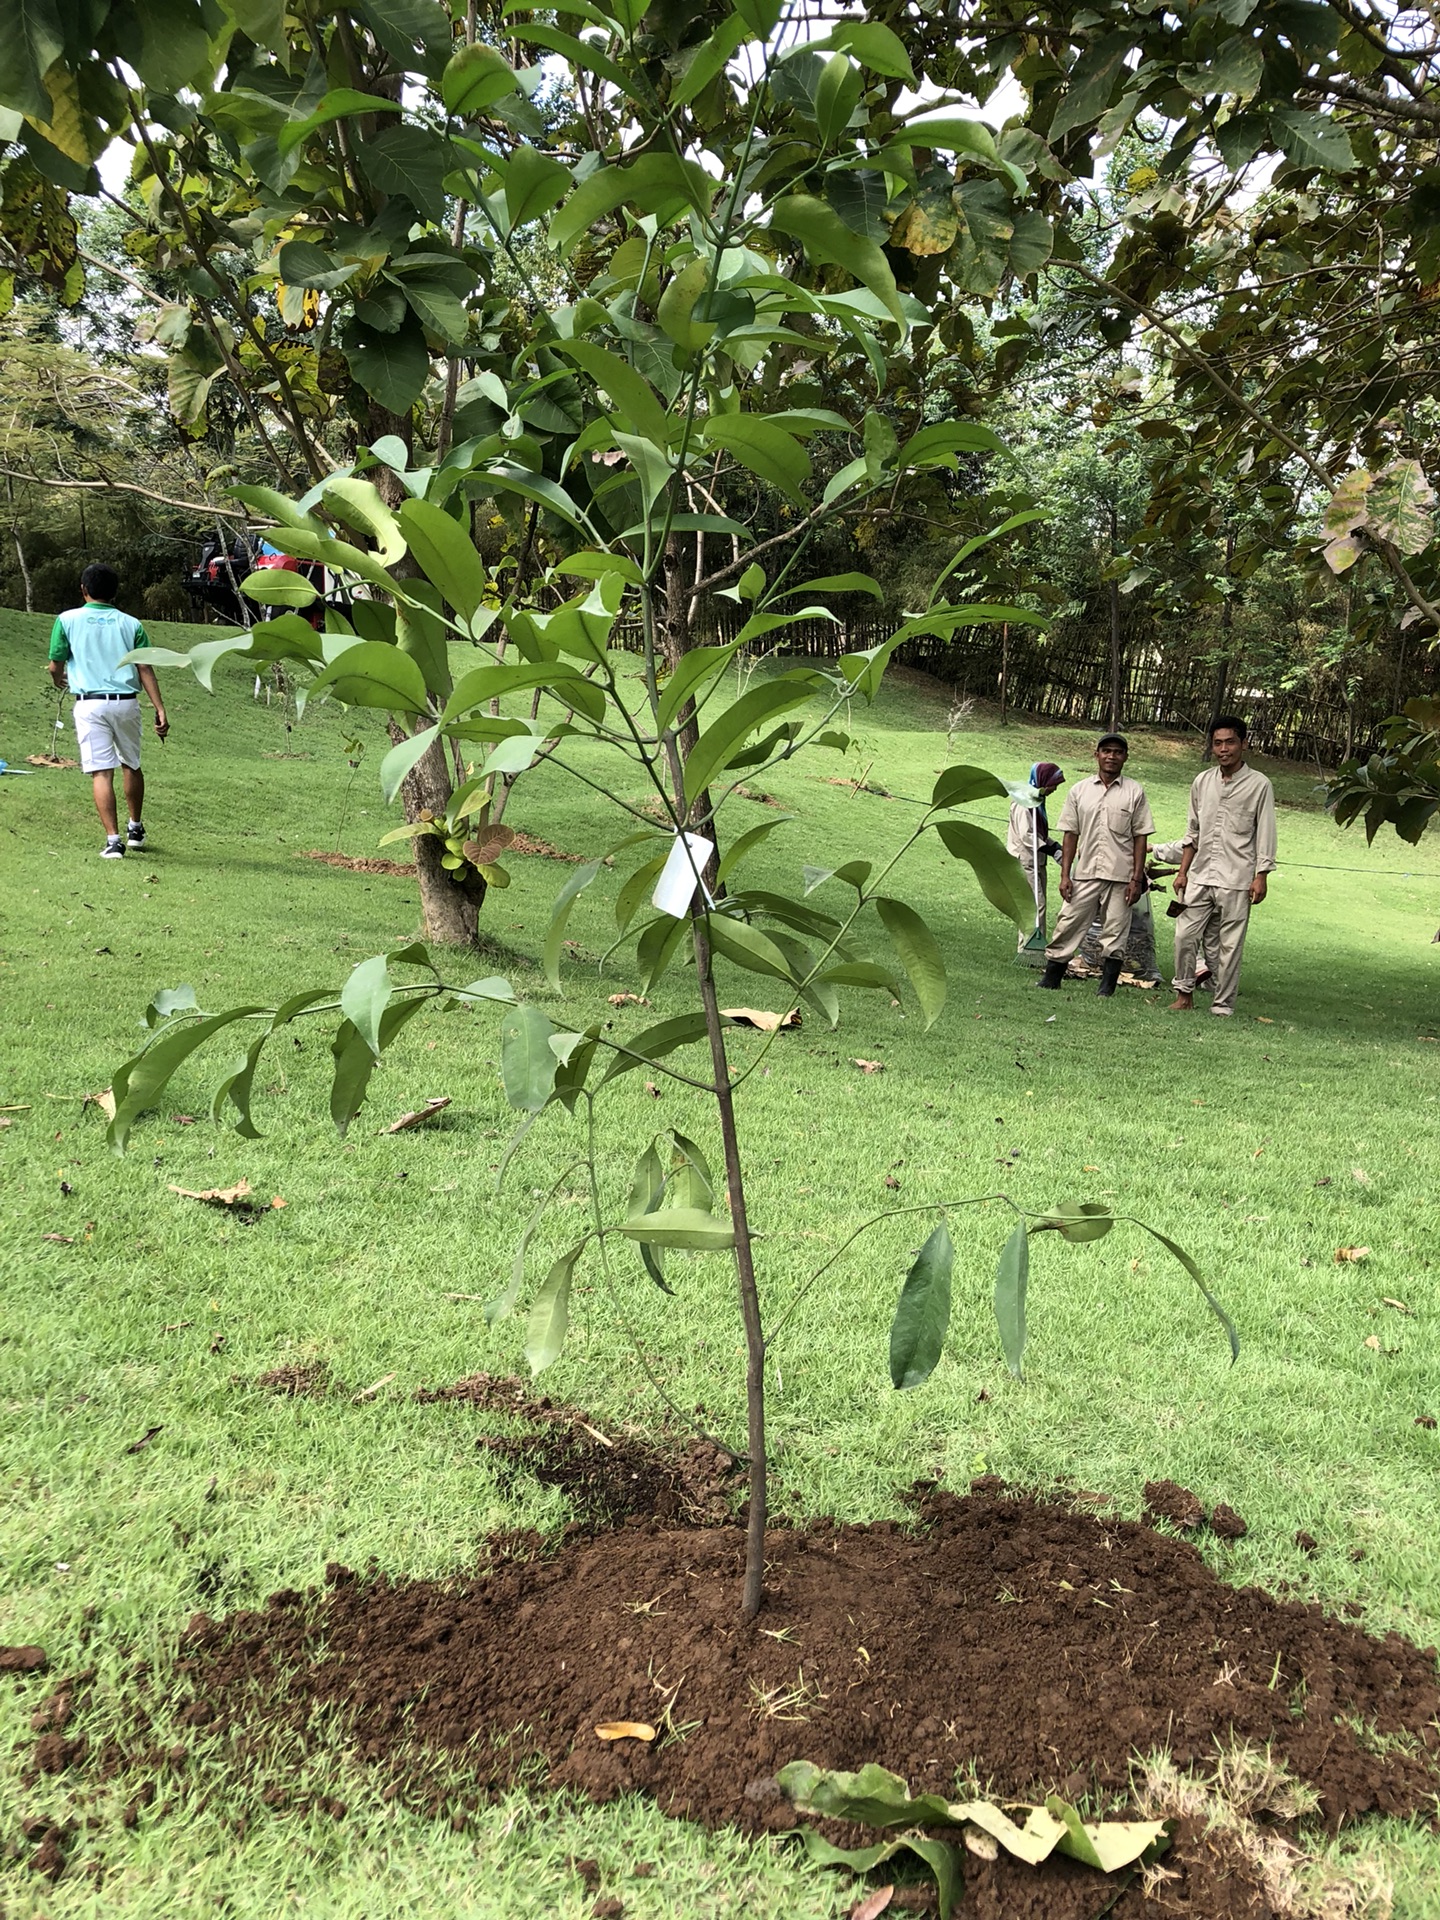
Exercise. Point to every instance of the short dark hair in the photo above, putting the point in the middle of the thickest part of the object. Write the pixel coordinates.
(1231, 723)
(1113, 740)
(99, 581)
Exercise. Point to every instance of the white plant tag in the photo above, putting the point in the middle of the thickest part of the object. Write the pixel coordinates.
(675, 888)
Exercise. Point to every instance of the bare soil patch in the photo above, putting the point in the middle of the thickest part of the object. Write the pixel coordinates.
(405, 870)
(1032, 1645)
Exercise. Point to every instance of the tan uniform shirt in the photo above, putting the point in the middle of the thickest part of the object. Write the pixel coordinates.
(1107, 821)
(1231, 828)
(1024, 833)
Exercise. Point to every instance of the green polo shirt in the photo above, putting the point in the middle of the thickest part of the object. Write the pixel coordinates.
(90, 642)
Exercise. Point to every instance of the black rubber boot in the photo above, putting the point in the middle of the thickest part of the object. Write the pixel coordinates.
(1109, 977)
(1052, 976)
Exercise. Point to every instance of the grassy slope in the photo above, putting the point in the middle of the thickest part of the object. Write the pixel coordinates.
(1247, 1141)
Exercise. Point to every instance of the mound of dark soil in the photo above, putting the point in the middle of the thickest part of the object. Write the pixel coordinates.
(1034, 1646)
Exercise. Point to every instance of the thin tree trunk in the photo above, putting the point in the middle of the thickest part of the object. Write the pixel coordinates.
(1117, 679)
(19, 546)
(1004, 668)
(754, 1587)
(1222, 670)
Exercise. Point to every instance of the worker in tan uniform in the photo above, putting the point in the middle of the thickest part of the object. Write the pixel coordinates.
(1229, 849)
(1105, 825)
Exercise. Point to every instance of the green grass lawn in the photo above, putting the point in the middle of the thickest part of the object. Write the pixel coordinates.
(1263, 1144)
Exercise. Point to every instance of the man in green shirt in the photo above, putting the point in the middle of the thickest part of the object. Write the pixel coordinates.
(87, 646)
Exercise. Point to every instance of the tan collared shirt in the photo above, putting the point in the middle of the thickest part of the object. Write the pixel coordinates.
(1231, 827)
(1107, 821)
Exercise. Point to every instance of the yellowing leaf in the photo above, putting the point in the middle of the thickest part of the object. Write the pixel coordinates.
(1351, 1256)
(624, 1730)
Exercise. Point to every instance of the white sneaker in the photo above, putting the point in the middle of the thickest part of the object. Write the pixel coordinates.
(134, 834)
(113, 849)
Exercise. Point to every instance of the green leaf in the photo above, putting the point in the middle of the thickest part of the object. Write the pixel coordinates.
(720, 739)
(1093, 82)
(957, 786)
(767, 450)
(698, 667)
(711, 58)
(564, 901)
(391, 367)
(828, 242)
(411, 163)
(168, 1002)
(654, 1042)
(949, 133)
(837, 94)
(278, 587)
(746, 946)
(1011, 1277)
(439, 310)
(687, 1228)
(32, 39)
(373, 674)
(646, 1191)
(237, 1089)
(357, 504)
(364, 998)
(657, 947)
(675, 313)
(355, 1060)
(534, 183)
(475, 78)
(919, 954)
(870, 1797)
(549, 1320)
(302, 264)
(746, 844)
(527, 1061)
(341, 103)
(1001, 877)
(862, 973)
(878, 46)
(139, 1082)
(1312, 139)
(836, 583)
(630, 393)
(922, 1316)
(861, 198)
(655, 183)
(1195, 1274)
(1077, 1221)
(446, 555)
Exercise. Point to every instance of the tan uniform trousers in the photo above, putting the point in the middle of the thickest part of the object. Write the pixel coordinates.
(1215, 917)
(1091, 900)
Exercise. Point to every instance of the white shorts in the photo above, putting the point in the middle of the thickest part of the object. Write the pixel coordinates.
(108, 732)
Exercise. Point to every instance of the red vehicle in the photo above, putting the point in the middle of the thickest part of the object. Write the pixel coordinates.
(214, 582)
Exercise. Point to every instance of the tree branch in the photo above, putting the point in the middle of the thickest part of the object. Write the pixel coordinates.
(201, 510)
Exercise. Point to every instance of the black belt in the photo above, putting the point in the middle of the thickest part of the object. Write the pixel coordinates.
(107, 696)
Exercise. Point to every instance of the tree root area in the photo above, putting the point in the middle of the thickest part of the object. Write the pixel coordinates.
(1021, 1643)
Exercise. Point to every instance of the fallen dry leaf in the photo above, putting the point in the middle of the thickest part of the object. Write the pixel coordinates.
(1426, 1420)
(869, 1066)
(136, 1445)
(628, 1000)
(874, 1904)
(176, 1325)
(1373, 1342)
(892, 1183)
(624, 1730)
(238, 1198)
(183, 1119)
(1262, 1021)
(1398, 1305)
(983, 1845)
(758, 1017)
(49, 760)
(369, 1393)
(408, 1120)
(60, 1239)
(652, 1089)
(1090, 1169)
(105, 1100)
(1351, 1256)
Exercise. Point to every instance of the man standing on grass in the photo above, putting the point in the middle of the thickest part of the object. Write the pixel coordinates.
(1229, 849)
(1104, 827)
(87, 646)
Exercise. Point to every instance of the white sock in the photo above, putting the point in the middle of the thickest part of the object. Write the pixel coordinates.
(132, 823)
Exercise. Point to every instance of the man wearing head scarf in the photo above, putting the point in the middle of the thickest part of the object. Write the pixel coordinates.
(1029, 837)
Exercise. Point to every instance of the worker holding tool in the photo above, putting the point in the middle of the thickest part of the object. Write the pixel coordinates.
(1029, 840)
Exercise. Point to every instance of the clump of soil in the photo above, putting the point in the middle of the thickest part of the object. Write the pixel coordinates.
(1167, 1500)
(22, 1660)
(310, 1380)
(605, 1478)
(1227, 1523)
